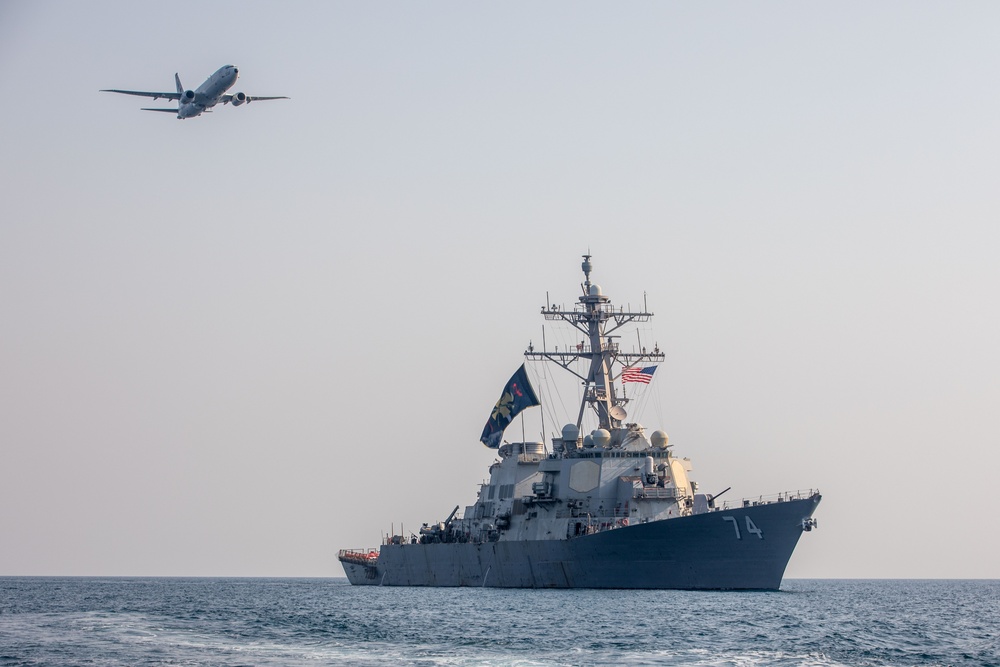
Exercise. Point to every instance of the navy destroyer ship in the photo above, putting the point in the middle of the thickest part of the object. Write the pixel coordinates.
(612, 508)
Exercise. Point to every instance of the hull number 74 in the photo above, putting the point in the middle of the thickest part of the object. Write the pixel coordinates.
(752, 528)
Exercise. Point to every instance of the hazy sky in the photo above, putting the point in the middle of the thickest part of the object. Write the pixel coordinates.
(234, 344)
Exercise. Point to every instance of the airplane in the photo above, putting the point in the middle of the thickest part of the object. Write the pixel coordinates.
(192, 103)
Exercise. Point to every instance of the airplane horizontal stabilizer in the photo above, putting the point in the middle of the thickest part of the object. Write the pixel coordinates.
(163, 110)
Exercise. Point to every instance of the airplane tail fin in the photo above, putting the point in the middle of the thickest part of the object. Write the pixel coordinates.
(177, 80)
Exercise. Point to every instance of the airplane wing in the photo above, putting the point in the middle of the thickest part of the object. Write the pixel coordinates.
(163, 110)
(226, 99)
(155, 96)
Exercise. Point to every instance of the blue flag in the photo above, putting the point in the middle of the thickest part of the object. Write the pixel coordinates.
(516, 396)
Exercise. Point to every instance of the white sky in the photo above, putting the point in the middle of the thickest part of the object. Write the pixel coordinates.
(234, 344)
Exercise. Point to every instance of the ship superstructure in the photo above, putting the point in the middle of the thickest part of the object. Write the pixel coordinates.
(613, 508)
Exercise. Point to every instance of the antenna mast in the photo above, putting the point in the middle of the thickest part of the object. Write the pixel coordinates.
(596, 318)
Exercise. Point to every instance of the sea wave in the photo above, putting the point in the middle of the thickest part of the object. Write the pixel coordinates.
(267, 622)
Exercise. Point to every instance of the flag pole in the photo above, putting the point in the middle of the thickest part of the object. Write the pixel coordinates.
(544, 443)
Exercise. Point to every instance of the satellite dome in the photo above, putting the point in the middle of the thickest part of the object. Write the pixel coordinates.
(659, 439)
(588, 441)
(570, 432)
(601, 438)
(595, 290)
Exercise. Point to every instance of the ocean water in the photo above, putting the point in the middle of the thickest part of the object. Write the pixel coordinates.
(228, 622)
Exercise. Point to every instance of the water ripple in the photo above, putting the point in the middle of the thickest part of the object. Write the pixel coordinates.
(235, 622)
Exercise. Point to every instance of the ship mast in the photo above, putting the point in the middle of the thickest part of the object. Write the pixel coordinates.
(597, 318)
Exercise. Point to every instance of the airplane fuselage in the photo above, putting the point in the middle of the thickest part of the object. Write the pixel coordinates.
(208, 94)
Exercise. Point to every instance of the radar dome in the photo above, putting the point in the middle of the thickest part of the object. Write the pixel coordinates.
(601, 438)
(659, 439)
(570, 432)
(588, 441)
(595, 290)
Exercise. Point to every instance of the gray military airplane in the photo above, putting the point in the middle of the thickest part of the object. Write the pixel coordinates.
(191, 103)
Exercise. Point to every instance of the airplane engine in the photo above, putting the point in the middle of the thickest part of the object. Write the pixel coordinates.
(240, 98)
(187, 97)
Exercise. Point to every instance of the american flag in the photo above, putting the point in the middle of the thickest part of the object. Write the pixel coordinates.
(633, 374)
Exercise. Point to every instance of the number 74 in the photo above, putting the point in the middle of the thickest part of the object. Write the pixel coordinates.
(751, 527)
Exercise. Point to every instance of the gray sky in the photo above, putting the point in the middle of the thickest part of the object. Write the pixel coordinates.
(234, 344)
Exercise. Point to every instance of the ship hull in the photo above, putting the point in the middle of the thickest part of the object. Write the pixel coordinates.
(746, 548)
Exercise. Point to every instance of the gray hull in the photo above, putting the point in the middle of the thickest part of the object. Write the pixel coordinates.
(740, 549)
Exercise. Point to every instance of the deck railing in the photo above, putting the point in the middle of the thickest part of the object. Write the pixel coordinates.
(782, 497)
(660, 492)
(611, 513)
